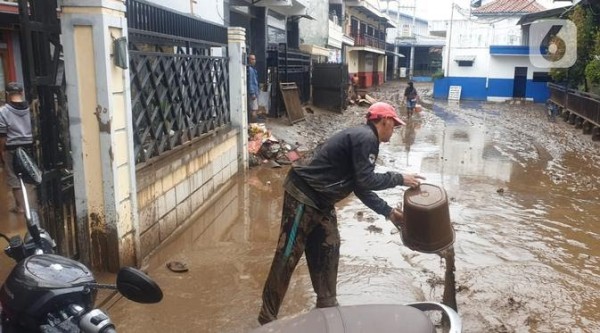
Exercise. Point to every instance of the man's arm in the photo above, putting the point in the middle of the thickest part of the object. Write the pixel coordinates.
(363, 152)
(363, 155)
(378, 205)
(373, 201)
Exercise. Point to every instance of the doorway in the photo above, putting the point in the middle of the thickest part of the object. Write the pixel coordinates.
(520, 82)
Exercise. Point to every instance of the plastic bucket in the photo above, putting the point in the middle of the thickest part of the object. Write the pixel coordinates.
(428, 227)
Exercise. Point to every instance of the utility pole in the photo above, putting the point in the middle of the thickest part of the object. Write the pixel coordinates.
(413, 41)
(396, 46)
(449, 42)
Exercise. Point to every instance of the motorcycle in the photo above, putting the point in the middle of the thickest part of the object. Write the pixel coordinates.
(46, 292)
(382, 318)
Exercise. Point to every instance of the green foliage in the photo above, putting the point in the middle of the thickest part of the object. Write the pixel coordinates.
(559, 75)
(438, 75)
(592, 71)
(586, 19)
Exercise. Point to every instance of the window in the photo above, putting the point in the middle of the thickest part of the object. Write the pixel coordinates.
(465, 63)
(541, 77)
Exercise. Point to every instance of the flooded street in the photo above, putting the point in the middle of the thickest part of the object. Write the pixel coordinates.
(524, 199)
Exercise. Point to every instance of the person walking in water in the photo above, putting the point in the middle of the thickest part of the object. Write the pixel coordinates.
(410, 97)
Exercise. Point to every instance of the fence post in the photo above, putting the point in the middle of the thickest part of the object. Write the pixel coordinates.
(101, 132)
(237, 89)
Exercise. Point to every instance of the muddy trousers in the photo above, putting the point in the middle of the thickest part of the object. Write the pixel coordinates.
(307, 230)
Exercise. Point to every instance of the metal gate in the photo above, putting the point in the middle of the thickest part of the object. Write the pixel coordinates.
(330, 86)
(45, 90)
(285, 65)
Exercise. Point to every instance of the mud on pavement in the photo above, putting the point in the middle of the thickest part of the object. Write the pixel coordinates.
(524, 196)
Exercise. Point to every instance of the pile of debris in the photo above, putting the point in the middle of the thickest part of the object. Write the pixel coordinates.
(264, 148)
(361, 98)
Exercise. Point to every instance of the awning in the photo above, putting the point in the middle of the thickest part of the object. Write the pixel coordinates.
(395, 54)
(470, 58)
(365, 49)
(297, 17)
(314, 50)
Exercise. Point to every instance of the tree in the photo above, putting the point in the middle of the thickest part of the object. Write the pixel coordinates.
(592, 70)
(585, 18)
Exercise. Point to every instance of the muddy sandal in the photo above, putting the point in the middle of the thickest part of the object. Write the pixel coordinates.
(177, 266)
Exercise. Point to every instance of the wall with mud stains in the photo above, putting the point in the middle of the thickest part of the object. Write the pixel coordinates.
(172, 189)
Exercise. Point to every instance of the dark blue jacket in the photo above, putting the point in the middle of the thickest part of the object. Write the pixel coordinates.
(345, 164)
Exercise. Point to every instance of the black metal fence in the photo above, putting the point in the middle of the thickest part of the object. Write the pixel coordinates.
(154, 20)
(178, 90)
(583, 104)
(287, 65)
(330, 86)
(44, 77)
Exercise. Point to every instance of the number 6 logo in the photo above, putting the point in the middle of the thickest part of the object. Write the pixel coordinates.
(553, 43)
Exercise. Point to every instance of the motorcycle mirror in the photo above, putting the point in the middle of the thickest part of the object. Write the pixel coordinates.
(137, 286)
(24, 165)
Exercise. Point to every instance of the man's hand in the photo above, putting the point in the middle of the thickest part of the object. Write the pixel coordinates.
(397, 218)
(412, 180)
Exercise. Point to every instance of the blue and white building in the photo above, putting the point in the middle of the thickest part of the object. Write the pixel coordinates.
(411, 38)
(487, 54)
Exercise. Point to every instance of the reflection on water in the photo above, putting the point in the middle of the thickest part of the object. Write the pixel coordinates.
(527, 224)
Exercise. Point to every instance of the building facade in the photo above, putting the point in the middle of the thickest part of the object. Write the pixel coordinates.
(487, 54)
(412, 51)
(366, 24)
(11, 68)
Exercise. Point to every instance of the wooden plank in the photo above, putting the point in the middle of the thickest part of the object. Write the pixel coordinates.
(291, 99)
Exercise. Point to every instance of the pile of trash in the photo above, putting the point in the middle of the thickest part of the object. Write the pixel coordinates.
(264, 148)
(361, 98)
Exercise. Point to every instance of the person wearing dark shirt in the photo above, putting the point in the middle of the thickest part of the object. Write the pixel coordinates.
(15, 132)
(344, 164)
(410, 97)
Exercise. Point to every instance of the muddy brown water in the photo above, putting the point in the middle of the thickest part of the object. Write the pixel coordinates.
(524, 200)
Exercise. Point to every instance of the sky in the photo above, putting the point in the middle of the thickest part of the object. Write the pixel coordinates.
(441, 9)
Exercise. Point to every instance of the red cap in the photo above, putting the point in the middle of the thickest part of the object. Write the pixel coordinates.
(383, 110)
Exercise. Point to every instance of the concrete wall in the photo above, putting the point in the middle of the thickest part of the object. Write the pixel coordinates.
(172, 189)
(210, 10)
(475, 37)
(352, 12)
(124, 211)
(496, 90)
(100, 127)
(491, 77)
(405, 24)
(481, 65)
(352, 59)
(315, 31)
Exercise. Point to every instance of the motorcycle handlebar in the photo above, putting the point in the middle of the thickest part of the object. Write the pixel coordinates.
(96, 321)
